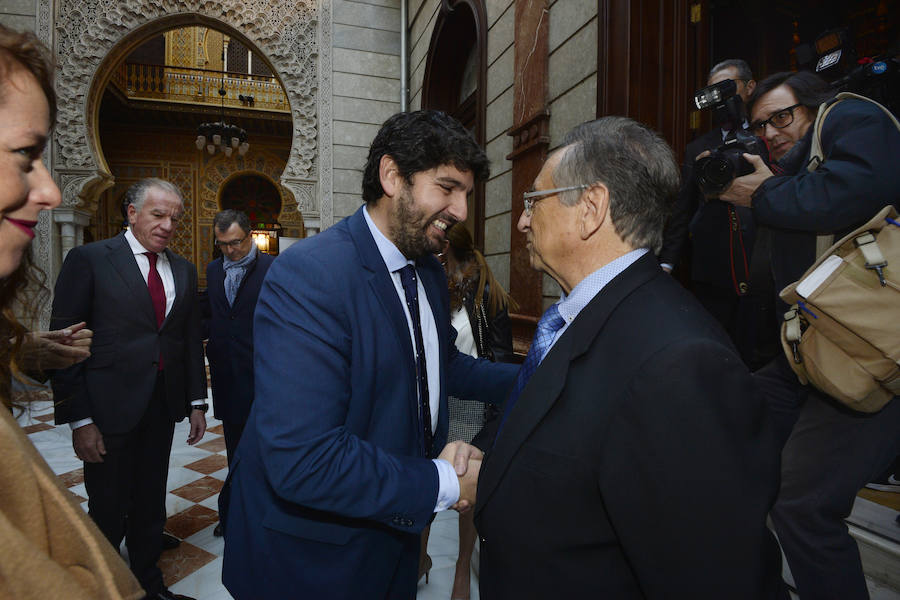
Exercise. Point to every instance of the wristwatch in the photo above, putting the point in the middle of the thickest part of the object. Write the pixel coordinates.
(204, 407)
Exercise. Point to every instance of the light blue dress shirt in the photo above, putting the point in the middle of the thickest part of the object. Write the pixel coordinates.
(569, 306)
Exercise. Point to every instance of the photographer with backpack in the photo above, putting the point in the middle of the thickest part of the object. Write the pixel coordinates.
(828, 176)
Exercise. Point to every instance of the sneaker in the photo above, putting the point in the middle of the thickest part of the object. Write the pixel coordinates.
(886, 484)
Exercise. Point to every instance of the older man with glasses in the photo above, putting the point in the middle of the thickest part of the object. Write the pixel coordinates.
(829, 452)
(633, 422)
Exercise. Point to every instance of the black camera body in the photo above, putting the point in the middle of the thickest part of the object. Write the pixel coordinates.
(714, 173)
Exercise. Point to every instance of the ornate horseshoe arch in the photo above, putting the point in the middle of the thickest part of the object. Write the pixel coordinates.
(92, 35)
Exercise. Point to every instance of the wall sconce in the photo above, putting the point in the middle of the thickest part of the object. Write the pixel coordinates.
(261, 239)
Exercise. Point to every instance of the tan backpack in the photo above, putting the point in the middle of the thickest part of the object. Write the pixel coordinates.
(842, 333)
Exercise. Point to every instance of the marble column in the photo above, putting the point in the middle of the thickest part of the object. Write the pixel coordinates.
(531, 138)
(71, 223)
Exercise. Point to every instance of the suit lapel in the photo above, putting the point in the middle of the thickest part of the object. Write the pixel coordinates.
(125, 264)
(381, 283)
(544, 388)
(180, 275)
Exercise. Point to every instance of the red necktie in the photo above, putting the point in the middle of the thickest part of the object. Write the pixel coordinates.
(157, 295)
(157, 291)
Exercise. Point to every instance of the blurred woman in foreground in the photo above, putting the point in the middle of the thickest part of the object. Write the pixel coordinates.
(51, 548)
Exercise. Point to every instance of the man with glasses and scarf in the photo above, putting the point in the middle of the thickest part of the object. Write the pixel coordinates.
(233, 281)
(829, 452)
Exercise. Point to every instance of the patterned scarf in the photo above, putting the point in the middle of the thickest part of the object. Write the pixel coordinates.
(235, 271)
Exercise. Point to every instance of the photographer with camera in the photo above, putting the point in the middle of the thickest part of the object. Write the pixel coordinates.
(829, 451)
(722, 236)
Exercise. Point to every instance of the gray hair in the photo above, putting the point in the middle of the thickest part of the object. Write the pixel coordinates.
(137, 193)
(635, 164)
(741, 66)
(224, 219)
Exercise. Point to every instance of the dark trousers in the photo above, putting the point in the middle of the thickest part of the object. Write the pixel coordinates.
(232, 431)
(127, 491)
(829, 453)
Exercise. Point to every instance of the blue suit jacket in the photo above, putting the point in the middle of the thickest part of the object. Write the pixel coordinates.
(331, 486)
(230, 345)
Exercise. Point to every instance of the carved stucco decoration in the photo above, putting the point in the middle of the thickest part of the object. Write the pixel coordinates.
(89, 31)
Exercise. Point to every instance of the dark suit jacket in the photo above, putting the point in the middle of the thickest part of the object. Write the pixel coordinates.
(637, 463)
(330, 485)
(230, 344)
(100, 283)
(708, 225)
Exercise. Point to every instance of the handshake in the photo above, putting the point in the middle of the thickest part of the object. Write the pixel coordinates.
(466, 461)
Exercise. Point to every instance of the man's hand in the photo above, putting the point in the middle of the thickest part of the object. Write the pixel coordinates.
(88, 443)
(468, 484)
(458, 454)
(740, 192)
(57, 349)
(466, 461)
(198, 426)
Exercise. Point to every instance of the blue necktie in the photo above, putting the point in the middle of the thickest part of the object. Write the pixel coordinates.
(550, 323)
(408, 279)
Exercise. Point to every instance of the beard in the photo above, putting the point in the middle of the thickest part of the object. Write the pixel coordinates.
(409, 228)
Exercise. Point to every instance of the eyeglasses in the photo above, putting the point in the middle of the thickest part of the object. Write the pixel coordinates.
(779, 120)
(531, 198)
(231, 244)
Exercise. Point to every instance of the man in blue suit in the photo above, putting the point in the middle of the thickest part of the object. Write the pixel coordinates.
(233, 281)
(339, 470)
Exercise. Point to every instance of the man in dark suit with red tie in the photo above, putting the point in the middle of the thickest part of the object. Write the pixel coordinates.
(144, 374)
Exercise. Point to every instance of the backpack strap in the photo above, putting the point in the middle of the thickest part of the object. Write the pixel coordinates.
(816, 157)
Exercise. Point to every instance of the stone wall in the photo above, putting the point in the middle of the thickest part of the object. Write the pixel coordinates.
(19, 14)
(366, 89)
(497, 202)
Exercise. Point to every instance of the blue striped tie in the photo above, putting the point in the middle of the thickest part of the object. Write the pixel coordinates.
(550, 323)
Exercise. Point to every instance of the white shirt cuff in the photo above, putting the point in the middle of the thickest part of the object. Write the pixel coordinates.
(198, 402)
(80, 423)
(666, 265)
(448, 485)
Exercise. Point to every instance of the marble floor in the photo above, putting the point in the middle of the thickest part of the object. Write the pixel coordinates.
(196, 475)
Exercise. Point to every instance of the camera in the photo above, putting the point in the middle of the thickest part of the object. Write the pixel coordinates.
(714, 173)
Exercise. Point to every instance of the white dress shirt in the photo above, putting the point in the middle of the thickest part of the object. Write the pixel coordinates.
(448, 490)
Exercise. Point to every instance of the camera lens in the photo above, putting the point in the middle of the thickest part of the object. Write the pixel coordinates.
(714, 173)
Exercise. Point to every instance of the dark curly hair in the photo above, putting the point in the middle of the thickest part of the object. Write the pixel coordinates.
(419, 141)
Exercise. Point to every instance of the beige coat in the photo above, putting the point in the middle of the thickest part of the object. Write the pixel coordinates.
(49, 547)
